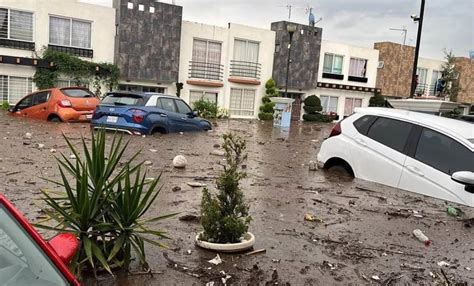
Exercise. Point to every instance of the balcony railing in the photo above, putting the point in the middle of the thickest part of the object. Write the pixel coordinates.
(245, 69)
(206, 70)
(424, 89)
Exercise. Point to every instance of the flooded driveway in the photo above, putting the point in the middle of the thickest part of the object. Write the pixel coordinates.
(362, 233)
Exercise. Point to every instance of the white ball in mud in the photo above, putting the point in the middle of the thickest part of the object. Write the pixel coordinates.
(180, 161)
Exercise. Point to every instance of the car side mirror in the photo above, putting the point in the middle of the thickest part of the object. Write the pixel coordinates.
(193, 114)
(65, 245)
(466, 178)
(11, 109)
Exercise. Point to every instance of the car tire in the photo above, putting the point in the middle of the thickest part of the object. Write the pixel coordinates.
(54, 119)
(340, 171)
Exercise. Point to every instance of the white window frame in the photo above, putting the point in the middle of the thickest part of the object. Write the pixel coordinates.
(332, 64)
(365, 71)
(27, 80)
(241, 99)
(203, 94)
(70, 31)
(325, 108)
(246, 48)
(33, 19)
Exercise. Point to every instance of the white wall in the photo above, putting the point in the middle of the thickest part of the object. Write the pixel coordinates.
(226, 37)
(102, 29)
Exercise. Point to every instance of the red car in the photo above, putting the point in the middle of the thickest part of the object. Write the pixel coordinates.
(58, 104)
(26, 259)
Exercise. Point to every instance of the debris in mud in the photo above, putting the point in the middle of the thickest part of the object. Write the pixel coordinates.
(72, 156)
(313, 166)
(263, 250)
(28, 135)
(196, 184)
(452, 211)
(189, 218)
(309, 217)
(180, 162)
(375, 277)
(421, 237)
(216, 260)
(443, 263)
(189, 252)
(153, 150)
(148, 163)
(39, 146)
(176, 189)
(217, 152)
(397, 214)
(52, 150)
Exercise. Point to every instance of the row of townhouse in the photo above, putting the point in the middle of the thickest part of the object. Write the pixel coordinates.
(155, 50)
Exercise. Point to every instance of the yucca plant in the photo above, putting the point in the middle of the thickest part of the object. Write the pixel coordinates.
(105, 206)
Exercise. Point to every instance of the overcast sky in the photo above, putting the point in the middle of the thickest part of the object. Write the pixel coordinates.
(448, 23)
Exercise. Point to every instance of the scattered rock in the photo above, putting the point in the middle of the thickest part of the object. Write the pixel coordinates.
(216, 260)
(52, 150)
(217, 152)
(313, 166)
(28, 135)
(443, 263)
(148, 163)
(196, 184)
(375, 277)
(181, 133)
(176, 189)
(39, 145)
(72, 157)
(189, 218)
(153, 150)
(180, 162)
(189, 252)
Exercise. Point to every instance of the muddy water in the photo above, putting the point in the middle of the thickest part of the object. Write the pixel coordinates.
(365, 231)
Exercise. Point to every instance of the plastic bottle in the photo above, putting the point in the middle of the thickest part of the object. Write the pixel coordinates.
(421, 237)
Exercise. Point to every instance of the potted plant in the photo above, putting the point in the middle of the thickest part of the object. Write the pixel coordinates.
(224, 217)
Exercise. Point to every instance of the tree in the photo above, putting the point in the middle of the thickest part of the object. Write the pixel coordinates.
(450, 76)
(377, 100)
(266, 109)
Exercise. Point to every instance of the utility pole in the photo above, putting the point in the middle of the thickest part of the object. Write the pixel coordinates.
(418, 19)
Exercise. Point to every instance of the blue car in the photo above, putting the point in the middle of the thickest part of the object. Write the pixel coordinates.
(142, 113)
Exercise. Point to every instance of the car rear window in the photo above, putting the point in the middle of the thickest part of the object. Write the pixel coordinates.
(77, 92)
(363, 124)
(124, 99)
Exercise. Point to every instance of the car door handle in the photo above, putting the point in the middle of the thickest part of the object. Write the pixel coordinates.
(163, 115)
(361, 142)
(415, 170)
(184, 118)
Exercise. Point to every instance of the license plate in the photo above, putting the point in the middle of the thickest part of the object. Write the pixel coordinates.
(88, 116)
(112, 119)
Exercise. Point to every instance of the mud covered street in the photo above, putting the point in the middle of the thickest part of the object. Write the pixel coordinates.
(362, 232)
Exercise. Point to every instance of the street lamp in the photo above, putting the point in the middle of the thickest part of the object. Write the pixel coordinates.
(418, 19)
(291, 28)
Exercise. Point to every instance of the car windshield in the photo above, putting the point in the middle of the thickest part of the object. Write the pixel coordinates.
(22, 261)
(77, 92)
(123, 99)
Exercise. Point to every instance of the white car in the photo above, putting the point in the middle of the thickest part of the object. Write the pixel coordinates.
(413, 151)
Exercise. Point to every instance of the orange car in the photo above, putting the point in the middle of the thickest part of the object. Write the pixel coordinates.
(57, 104)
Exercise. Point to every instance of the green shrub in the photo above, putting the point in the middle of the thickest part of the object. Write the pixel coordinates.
(206, 108)
(267, 107)
(266, 99)
(312, 100)
(104, 202)
(265, 116)
(224, 216)
(377, 101)
(5, 105)
(312, 109)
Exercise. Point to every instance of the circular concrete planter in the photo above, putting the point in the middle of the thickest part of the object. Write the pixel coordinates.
(247, 243)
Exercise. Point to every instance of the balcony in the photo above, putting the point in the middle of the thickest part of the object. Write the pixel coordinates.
(205, 70)
(15, 44)
(80, 52)
(424, 89)
(245, 69)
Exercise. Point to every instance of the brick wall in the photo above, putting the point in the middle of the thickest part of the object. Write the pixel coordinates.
(394, 79)
(465, 67)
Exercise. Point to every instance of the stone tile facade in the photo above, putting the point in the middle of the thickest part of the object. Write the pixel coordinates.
(465, 67)
(148, 40)
(394, 78)
(305, 53)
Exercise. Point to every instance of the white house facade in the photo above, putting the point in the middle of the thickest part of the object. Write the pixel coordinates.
(28, 26)
(346, 77)
(228, 66)
(428, 71)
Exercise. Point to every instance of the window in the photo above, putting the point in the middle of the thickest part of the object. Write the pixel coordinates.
(16, 25)
(41, 97)
(3, 88)
(363, 124)
(329, 103)
(156, 89)
(123, 99)
(69, 32)
(206, 60)
(391, 133)
(357, 67)
(182, 107)
(443, 153)
(77, 92)
(25, 103)
(350, 104)
(421, 72)
(332, 64)
(195, 95)
(18, 87)
(23, 261)
(242, 102)
(168, 104)
(246, 51)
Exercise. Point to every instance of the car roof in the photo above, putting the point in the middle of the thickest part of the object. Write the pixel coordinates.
(143, 94)
(454, 127)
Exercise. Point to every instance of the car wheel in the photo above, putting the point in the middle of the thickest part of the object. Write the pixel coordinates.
(54, 119)
(340, 172)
